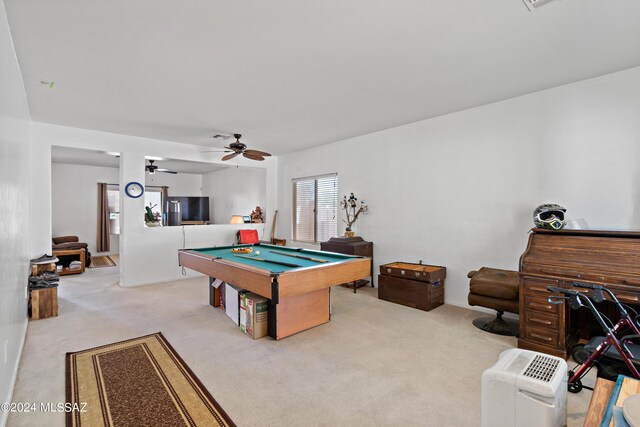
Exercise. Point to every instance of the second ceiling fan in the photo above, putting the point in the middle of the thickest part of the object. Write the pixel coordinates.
(151, 168)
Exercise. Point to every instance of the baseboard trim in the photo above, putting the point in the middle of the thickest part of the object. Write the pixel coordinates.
(176, 279)
(4, 416)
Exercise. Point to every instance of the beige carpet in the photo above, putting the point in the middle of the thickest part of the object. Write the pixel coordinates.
(375, 363)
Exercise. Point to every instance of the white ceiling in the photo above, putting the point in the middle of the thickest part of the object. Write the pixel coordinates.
(78, 156)
(290, 74)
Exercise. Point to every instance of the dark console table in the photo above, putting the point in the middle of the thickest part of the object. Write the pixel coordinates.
(351, 246)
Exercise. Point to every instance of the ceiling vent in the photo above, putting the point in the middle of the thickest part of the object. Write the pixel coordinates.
(534, 4)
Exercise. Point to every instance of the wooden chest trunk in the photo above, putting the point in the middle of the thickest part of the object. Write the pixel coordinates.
(414, 285)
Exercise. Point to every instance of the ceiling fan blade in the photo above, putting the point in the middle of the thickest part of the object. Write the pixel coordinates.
(252, 156)
(259, 153)
(166, 171)
(232, 149)
(229, 156)
(217, 151)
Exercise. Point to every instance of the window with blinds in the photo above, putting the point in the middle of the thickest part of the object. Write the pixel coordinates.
(315, 208)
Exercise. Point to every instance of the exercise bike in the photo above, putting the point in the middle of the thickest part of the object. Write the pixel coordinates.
(611, 355)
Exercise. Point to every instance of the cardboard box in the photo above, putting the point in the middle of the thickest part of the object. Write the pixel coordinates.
(223, 292)
(254, 315)
(232, 302)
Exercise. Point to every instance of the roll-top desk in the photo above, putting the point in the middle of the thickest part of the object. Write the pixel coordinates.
(560, 258)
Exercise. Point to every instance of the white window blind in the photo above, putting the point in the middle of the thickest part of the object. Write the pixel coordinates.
(315, 202)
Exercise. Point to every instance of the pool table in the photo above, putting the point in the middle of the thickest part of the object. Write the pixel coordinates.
(296, 281)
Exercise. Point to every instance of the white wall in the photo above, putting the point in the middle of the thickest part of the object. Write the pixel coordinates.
(182, 184)
(74, 202)
(15, 211)
(459, 190)
(234, 191)
(147, 254)
(75, 197)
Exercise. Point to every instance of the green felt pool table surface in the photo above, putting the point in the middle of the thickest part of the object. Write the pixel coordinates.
(275, 253)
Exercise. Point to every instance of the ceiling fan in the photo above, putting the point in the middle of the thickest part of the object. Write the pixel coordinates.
(237, 147)
(151, 168)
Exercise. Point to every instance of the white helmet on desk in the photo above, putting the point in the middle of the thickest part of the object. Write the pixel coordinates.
(550, 216)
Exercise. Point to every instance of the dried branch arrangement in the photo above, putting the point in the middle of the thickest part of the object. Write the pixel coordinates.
(352, 210)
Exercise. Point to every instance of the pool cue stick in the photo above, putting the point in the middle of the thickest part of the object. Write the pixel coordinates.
(288, 264)
(299, 256)
(273, 226)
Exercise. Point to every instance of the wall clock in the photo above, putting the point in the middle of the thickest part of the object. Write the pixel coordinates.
(134, 190)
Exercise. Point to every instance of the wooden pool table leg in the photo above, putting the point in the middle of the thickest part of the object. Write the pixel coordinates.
(272, 321)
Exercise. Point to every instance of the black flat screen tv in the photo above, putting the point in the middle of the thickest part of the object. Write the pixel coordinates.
(193, 208)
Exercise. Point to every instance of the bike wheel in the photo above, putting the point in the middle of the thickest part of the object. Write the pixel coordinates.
(575, 387)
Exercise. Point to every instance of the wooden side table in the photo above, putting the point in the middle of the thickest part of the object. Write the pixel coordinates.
(79, 252)
(43, 303)
(351, 246)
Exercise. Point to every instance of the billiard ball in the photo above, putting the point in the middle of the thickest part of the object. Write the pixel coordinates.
(257, 252)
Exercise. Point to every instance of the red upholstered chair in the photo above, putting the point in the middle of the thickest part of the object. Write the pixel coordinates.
(247, 236)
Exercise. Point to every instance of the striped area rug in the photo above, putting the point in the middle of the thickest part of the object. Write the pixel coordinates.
(102, 261)
(138, 382)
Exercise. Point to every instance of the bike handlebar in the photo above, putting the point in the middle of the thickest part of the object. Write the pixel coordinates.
(567, 292)
(598, 295)
(587, 285)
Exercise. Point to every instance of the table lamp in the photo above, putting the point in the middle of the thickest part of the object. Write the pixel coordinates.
(236, 219)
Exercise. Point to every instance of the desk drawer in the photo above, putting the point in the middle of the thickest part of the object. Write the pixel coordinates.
(541, 320)
(548, 337)
(537, 286)
(540, 304)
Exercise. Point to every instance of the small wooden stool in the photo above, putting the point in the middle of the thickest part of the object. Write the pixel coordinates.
(44, 303)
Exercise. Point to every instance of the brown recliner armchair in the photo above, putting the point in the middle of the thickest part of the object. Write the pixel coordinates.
(70, 242)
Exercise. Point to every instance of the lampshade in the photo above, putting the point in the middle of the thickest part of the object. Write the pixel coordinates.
(236, 219)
